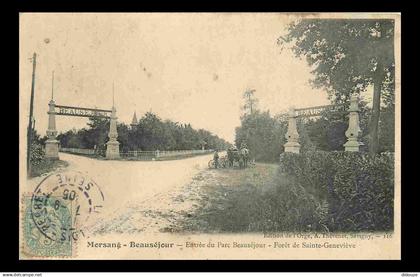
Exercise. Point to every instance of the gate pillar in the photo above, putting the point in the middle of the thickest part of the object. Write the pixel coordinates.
(113, 146)
(292, 136)
(353, 132)
(51, 144)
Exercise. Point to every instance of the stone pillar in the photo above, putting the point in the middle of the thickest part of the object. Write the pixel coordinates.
(51, 145)
(113, 146)
(353, 132)
(292, 135)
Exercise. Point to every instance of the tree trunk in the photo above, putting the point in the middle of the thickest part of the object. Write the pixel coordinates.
(376, 106)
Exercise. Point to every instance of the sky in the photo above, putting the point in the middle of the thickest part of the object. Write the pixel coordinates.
(190, 68)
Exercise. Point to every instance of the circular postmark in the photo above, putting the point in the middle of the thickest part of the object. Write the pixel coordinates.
(63, 203)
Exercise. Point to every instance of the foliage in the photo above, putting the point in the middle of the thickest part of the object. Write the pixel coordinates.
(251, 102)
(95, 135)
(344, 53)
(45, 166)
(358, 189)
(312, 169)
(254, 200)
(151, 133)
(289, 207)
(347, 56)
(387, 129)
(311, 192)
(263, 135)
(325, 134)
(37, 153)
(39, 164)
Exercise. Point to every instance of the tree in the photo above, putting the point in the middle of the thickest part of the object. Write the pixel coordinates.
(387, 128)
(347, 56)
(97, 134)
(263, 134)
(251, 102)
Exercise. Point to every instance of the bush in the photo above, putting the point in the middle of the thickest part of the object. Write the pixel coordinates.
(313, 170)
(290, 207)
(40, 165)
(37, 153)
(357, 188)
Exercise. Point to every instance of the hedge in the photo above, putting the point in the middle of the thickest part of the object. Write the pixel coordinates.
(357, 189)
(37, 154)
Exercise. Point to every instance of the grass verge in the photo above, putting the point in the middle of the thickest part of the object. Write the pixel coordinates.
(45, 166)
(236, 200)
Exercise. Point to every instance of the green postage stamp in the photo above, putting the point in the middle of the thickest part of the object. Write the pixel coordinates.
(36, 241)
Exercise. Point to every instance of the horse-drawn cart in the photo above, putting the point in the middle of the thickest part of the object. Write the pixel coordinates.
(239, 158)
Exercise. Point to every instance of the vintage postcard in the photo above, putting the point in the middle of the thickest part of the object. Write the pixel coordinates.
(172, 136)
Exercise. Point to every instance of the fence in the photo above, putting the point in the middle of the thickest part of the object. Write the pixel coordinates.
(88, 152)
(140, 155)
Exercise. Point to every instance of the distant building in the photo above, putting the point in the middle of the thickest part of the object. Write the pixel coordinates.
(134, 122)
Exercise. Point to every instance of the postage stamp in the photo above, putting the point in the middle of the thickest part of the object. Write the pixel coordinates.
(35, 242)
(57, 211)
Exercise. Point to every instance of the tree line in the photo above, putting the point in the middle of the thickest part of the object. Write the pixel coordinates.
(151, 133)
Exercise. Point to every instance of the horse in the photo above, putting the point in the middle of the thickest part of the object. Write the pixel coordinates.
(233, 156)
(240, 156)
(243, 158)
(230, 156)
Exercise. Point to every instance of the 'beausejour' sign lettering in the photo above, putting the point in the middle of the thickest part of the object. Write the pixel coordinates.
(84, 112)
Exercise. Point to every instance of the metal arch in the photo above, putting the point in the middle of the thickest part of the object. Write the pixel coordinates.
(313, 111)
(82, 112)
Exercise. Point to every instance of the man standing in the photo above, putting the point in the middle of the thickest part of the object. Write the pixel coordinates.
(216, 158)
(230, 156)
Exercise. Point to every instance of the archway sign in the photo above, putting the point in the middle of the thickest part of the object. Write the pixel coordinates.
(352, 133)
(51, 145)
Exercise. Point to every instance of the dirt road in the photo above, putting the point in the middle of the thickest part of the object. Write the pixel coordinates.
(127, 184)
(169, 196)
(212, 201)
